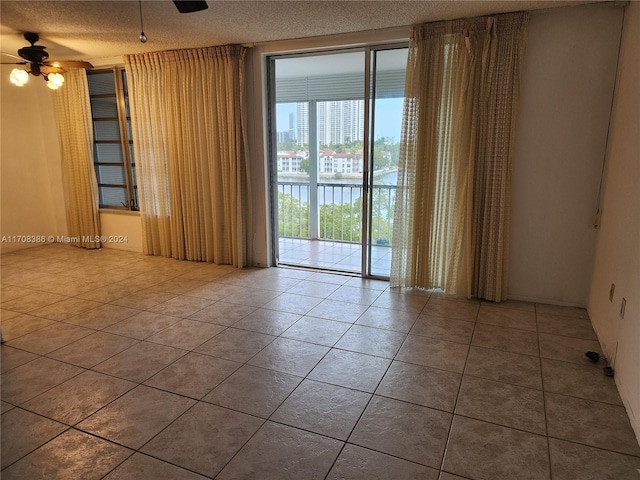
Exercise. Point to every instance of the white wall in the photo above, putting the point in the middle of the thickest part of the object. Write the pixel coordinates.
(32, 198)
(122, 230)
(617, 258)
(566, 94)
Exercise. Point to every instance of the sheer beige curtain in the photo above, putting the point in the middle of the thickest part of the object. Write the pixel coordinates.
(75, 133)
(451, 220)
(188, 122)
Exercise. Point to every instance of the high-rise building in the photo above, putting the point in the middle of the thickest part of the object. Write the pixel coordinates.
(302, 123)
(339, 122)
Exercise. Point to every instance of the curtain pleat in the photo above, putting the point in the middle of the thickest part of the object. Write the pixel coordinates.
(75, 133)
(451, 218)
(188, 119)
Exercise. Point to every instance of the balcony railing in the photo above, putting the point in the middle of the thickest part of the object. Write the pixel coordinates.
(339, 212)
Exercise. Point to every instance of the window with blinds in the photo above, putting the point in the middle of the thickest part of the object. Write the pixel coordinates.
(114, 159)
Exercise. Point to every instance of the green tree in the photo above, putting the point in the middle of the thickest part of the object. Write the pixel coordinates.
(293, 217)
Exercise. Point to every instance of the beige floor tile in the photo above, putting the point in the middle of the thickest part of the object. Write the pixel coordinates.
(567, 326)
(107, 293)
(71, 455)
(92, 349)
(278, 448)
(567, 349)
(266, 321)
(450, 476)
(143, 299)
(35, 377)
(503, 404)
(317, 330)
(65, 309)
(424, 386)
(361, 296)
(50, 338)
(372, 341)
(507, 317)
(448, 329)
(204, 439)
(78, 397)
(235, 344)
(590, 423)
(186, 334)
(137, 416)
(215, 291)
(140, 362)
(201, 372)
(292, 303)
(313, 289)
(407, 302)
(351, 370)
(505, 339)
(21, 324)
(513, 304)
(561, 310)
(430, 352)
(411, 432)
(223, 313)
(483, 450)
(32, 302)
(102, 316)
(584, 381)
(396, 320)
(439, 307)
(252, 297)
(23, 432)
(142, 325)
(570, 461)
(338, 311)
(12, 358)
(322, 408)
(253, 390)
(289, 356)
(181, 306)
(507, 367)
(357, 463)
(140, 466)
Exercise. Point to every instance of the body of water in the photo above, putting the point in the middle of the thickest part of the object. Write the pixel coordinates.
(333, 190)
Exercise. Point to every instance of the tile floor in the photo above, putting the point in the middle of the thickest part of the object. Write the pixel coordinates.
(121, 366)
(341, 256)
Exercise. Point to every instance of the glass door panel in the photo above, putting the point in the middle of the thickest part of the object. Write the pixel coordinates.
(388, 69)
(320, 120)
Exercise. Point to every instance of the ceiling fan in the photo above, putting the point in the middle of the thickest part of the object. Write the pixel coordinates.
(36, 59)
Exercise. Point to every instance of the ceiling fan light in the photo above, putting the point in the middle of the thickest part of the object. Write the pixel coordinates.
(55, 80)
(19, 77)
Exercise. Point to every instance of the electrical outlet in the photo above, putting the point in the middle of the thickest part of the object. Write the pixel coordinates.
(623, 305)
(611, 290)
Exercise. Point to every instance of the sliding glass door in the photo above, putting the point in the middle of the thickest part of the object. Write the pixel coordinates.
(323, 118)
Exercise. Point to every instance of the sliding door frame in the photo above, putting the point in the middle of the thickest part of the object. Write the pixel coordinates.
(369, 51)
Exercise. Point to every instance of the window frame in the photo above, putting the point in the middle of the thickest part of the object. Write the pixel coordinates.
(125, 142)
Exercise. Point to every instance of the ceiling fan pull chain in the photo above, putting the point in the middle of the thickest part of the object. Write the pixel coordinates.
(142, 37)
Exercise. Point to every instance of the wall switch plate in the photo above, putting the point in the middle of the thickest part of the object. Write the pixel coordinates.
(623, 305)
(611, 290)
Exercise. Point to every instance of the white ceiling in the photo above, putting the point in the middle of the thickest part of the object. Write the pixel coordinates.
(89, 30)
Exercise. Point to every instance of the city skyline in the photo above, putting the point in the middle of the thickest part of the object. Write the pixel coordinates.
(388, 118)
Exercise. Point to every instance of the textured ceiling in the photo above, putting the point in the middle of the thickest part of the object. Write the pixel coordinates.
(89, 30)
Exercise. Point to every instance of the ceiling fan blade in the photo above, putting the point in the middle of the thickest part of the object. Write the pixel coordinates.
(69, 64)
(51, 69)
(186, 6)
(13, 56)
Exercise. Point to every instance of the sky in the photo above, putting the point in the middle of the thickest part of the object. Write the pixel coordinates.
(388, 117)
